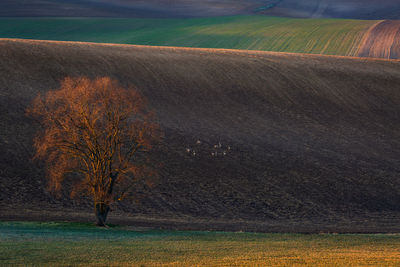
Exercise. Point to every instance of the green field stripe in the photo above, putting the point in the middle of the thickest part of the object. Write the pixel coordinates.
(72, 244)
(317, 36)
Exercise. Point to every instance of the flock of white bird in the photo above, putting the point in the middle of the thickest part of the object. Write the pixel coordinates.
(215, 150)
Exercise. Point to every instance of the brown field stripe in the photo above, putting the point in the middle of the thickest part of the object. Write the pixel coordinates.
(382, 40)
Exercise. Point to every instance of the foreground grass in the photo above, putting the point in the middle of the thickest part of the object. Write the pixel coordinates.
(317, 36)
(42, 244)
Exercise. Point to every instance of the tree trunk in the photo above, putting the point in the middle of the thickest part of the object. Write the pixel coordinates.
(101, 211)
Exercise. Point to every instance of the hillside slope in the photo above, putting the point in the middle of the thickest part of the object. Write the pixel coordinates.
(315, 36)
(352, 9)
(382, 40)
(127, 8)
(349, 9)
(310, 137)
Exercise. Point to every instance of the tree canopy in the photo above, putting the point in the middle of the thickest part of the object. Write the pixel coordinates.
(94, 133)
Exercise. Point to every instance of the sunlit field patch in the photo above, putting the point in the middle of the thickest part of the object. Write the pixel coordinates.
(41, 244)
(316, 36)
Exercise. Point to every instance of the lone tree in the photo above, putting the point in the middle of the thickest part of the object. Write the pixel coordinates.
(94, 134)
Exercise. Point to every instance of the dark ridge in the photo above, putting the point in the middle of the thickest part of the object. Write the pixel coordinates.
(352, 9)
(349, 9)
(125, 8)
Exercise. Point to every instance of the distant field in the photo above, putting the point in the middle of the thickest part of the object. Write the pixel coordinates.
(316, 36)
(66, 244)
(354, 9)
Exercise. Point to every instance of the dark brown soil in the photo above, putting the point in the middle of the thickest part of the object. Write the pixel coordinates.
(372, 223)
(314, 140)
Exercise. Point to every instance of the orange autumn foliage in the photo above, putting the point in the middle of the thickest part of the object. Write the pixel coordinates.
(96, 130)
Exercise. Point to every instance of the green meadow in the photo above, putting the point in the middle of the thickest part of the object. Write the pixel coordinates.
(73, 244)
(317, 36)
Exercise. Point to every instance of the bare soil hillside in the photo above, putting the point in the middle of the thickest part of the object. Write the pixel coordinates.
(277, 137)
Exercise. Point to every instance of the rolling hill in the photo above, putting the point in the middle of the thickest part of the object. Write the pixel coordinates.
(352, 9)
(382, 40)
(308, 140)
(315, 36)
(127, 8)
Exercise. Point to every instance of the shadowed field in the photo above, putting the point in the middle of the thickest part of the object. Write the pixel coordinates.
(352, 9)
(303, 138)
(65, 244)
(127, 8)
